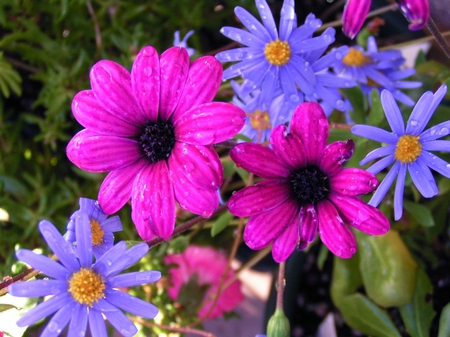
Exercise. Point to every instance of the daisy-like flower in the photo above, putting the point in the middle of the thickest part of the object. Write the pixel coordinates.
(153, 130)
(183, 43)
(273, 58)
(204, 267)
(305, 190)
(102, 227)
(373, 69)
(83, 291)
(355, 13)
(408, 148)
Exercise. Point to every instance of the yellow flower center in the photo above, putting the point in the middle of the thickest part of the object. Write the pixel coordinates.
(372, 83)
(86, 287)
(277, 52)
(259, 120)
(97, 233)
(408, 149)
(356, 58)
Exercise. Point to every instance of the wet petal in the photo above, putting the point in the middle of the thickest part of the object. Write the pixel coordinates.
(392, 112)
(288, 147)
(398, 194)
(284, 245)
(309, 223)
(378, 153)
(353, 182)
(133, 279)
(59, 321)
(78, 323)
(416, 11)
(422, 178)
(267, 18)
(96, 153)
(46, 265)
(374, 133)
(436, 163)
(38, 288)
(83, 234)
(116, 318)
(334, 155)
(384, 186)
(420, 115)
(196, 200)
(97, 324)
(131, 304)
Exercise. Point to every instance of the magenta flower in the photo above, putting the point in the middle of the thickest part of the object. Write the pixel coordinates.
(355, 13)
(305, 190)
(153, 131)
(202, 267)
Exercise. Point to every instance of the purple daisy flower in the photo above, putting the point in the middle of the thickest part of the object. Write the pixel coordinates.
(305, 190)
(83, 291)
(273, 58)
(102, 227)
(153, 130)
(183, 43)
(408, 148)
(380, 70)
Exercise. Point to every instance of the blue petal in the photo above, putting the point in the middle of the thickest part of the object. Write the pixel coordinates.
(133, 279)
(378, 153)
(422, 178)
(253, 25)
(97, 324)
(420, 115)
(84, 239)
(62, 249)
(45, 309)
(288, 20)
(383, 188)
(436, 163)
(105, 262)
(435, 132)
(58, 321)
(374, 133)
(117, 318)
(288, 85)
(330, 58)
(267, 18)
(93, 209)
(38, 288)
(437, 145)
(79, 321)
(381, 164)
(239, 54)
(398, 194)
(131, 304)
(43, 263)
(243, 37)
(112, 224)
(130, 257)
(392, 112)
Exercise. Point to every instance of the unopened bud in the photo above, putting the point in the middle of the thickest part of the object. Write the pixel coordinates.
(278, 325)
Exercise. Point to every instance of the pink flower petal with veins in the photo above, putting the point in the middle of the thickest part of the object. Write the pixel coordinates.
(96, 153)
(334, 155)
(145, 82)
(353, 182)
(153, 199)
(310, 124)
(334, 233)
(309, 223)
(288, 147)
(284, 245)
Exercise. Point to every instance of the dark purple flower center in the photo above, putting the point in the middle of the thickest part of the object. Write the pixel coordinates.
(310, 185)
(157, 140)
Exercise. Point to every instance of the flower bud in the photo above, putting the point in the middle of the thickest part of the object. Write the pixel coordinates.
(278, 325)
(355, 13)
(416, 11)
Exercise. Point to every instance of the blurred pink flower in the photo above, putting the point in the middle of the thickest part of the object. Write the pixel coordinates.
(305, 190)
(153, 130)
(205, 266)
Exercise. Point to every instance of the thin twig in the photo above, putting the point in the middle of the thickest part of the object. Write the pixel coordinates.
(340, 126)
(171, 328)
(431, 25)
(98, 35)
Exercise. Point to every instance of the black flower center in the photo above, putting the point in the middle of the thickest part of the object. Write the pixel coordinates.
(157, 140)
(310, 185)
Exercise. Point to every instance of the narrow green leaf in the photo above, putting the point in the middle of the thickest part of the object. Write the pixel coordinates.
(179, 244)
(444, 322)
(376, 115)
(359, 104)
(420, 212)
(4, 307)
(418, 314)
(221, 223)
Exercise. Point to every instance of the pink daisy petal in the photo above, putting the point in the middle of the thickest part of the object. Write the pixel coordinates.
(334, 155)
(198, 164)
(111, 84)
(284, 245)
(96, 153)
(265, 227)
(174, 63)
(309, 224)
(143, 227)
(203, 81)
(91, 114)
(358, 214)
(154, 200)
(288, 147)
(145, 82)
(310, 124)
(209, 123)
(353, 182)
(115, 190)
(260, 160)
(334, 234)
(261, 197)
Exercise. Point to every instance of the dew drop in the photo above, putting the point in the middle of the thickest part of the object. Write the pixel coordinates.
(413, 122)
(148, 71)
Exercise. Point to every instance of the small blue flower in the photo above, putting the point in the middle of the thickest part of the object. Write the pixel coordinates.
(102, 227)
(183, 43)
(285, 58)
(83, 291)
(381, 70)
(408, 149)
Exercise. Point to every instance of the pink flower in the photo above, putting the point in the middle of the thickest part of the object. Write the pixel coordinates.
(204, 266)
(153, 131)
(306, 190)
(355, 13)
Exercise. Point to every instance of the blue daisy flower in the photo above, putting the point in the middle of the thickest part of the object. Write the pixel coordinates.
(381, 70)
(83, 291)
(408, 148)
(183, 43)
(102, 227)
(273, 58)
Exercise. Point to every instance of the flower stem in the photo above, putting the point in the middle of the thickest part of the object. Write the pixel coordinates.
(171, 328)
(431, 25)
(281, 283)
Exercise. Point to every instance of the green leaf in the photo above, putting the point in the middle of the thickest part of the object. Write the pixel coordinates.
(346, 278)
(191, 295)
(420, 212)
(376, 115)
(4, 307)
(362, 314)
(359, 104)
(179, 244)
(418, 314)
(221, 223)
(387, 267)
(444, 322)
